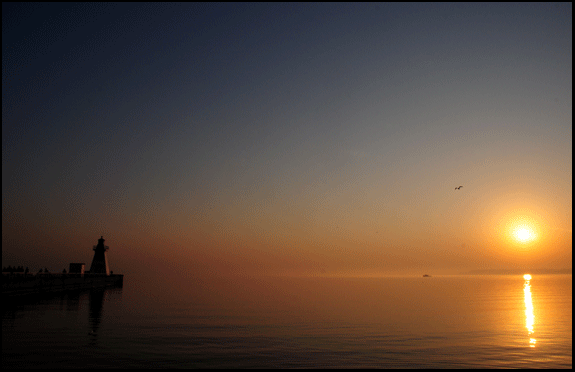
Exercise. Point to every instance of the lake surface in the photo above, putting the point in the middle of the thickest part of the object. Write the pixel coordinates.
(390, 322)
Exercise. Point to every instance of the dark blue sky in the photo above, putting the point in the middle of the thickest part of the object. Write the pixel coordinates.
(294, 125)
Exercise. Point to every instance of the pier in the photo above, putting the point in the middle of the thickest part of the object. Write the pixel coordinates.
(16, 284)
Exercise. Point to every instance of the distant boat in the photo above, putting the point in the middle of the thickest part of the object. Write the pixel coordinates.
(426, 276)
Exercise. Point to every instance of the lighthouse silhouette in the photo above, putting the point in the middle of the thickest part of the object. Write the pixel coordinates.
(100, 261)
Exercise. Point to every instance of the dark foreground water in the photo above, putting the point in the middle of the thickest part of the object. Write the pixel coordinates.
(437, 322)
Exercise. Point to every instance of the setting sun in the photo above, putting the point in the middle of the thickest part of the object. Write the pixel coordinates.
(523, 234)
(522, 229)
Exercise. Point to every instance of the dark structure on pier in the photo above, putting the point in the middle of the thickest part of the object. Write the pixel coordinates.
(100, 261)
(99, 276)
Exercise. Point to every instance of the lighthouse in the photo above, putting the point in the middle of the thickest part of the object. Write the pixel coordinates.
(100, 261)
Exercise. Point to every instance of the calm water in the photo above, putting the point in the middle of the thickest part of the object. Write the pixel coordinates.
(437, 322)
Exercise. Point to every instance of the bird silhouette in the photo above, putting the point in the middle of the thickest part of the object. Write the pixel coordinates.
(458, 188)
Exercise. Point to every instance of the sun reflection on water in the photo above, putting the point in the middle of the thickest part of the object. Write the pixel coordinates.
(529, 318)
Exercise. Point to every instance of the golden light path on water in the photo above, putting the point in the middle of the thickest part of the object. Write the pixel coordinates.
(529, 318)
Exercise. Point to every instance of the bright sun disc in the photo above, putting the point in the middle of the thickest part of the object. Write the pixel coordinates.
(521, 230)
(523, 234)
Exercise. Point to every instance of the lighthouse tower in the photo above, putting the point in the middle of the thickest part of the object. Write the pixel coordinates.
(100, 261)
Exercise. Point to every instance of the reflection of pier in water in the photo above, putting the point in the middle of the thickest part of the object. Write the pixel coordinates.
(88, 303)
(529, 317)
(96, 300)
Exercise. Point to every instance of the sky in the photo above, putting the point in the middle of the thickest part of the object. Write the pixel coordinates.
(287, 139)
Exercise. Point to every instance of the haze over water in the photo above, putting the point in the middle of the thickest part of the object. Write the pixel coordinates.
(449, 321)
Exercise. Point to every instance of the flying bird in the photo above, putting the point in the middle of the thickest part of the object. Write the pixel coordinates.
(458, 188)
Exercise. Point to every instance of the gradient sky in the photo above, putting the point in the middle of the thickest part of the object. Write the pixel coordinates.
(287, 138)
